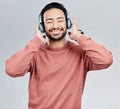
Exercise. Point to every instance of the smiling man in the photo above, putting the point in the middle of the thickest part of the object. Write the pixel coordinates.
(55, 24)
(58, 68)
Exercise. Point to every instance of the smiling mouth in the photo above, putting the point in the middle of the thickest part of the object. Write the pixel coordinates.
(56, 30)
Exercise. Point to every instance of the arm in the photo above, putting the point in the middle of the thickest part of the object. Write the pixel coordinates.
(95, 56)
(20, 63)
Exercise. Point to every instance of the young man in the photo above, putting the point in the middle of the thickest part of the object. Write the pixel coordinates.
(58, 68)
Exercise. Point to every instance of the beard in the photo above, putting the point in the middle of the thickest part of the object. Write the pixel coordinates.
(56, 38)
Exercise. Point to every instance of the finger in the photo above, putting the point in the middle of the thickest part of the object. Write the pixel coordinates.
(37, 25)
(74, 26)
(37, 31)
(73, 22)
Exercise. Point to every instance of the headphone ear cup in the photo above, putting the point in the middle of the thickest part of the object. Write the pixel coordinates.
(69, 24)
(41, 28)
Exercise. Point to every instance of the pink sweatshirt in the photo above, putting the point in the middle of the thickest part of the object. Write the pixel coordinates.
(57, 75)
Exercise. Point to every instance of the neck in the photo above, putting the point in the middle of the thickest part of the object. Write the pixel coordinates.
(57, 44)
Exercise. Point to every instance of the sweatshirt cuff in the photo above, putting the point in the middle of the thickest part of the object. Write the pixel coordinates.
(81, 38)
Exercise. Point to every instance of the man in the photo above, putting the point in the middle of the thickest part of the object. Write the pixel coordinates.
(58, 67)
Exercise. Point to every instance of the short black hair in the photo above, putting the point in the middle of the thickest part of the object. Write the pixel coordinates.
(50, 6)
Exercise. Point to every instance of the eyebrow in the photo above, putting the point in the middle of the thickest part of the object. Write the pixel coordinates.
(60, 18)
(52, 18)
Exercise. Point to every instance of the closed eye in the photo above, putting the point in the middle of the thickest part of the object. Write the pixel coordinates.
(48, 21)
(60, 20)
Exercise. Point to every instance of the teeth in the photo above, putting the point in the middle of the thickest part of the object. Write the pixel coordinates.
(56, 31)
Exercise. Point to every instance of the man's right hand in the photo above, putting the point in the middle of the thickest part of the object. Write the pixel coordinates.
(38, 33)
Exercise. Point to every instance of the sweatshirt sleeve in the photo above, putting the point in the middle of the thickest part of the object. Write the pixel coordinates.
(95, 55)
(19, 63)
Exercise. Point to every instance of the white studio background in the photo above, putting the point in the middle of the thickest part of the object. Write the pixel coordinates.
(99, 19)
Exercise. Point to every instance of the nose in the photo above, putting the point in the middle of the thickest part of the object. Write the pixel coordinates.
(55, 24)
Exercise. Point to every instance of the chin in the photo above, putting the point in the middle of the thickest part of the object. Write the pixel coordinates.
(55, 37)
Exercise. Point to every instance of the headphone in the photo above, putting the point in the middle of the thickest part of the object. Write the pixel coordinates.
(42, 29)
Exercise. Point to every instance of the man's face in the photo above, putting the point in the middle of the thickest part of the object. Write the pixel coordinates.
(55, 24)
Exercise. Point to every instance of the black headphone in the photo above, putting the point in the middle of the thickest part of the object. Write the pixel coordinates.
(49, 6)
